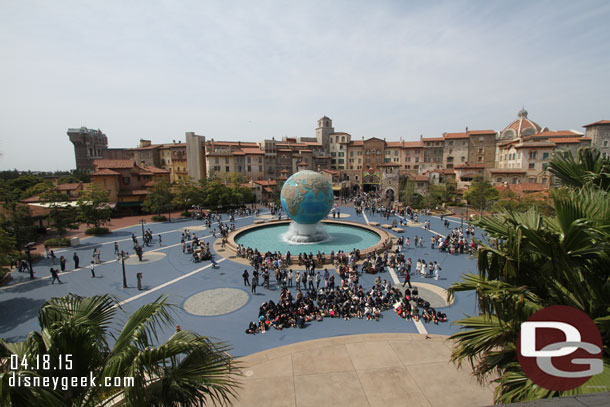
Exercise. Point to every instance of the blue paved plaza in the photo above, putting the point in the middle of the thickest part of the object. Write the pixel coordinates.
(177, 277)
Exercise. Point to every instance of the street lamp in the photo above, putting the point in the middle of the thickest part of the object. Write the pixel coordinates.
(28, 248)
(123, 256)
(467, 218)
(142, 222)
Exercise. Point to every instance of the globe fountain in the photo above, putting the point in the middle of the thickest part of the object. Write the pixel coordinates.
(307, 198)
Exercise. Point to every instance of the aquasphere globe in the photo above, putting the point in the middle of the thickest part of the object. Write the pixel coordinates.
(307, 197)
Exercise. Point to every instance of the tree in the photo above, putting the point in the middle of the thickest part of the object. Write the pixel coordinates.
(539, 261)
(93, 206)
(186, 194)
(407, 191)
(159, 198)
(62, 215)
(186, 370)
(481, 194)
(7, 249)
(589, 169)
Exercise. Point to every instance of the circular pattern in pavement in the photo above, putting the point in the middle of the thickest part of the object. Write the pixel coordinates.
(147, 258)
(217, 301)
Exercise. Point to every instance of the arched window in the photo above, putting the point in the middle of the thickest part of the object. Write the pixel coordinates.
(343, 139)
(326, 125)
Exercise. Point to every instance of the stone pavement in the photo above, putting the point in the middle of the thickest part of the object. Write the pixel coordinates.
(360, 370)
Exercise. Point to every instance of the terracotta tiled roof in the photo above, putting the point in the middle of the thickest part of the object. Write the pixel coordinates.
(597, 123)
(302, 163)
(539, 144)
(469, 166)
(480, 132)
(238, 152)
(421, 178)
(412, 144)
(454, 135)
(355, 142)
(113, 164)
(305, 151)
(333, 172)
(266, 189)
(155, 170)
(523, 189)
(253, 151)
(394, 143)
(568, 140)
(266, 183)
(105, 171)
(552, 134)
(69, 187)
(432, 139)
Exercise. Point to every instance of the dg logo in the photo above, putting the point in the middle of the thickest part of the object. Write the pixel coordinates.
(560, 348)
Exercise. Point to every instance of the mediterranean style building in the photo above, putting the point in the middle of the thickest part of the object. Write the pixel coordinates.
(519, 154)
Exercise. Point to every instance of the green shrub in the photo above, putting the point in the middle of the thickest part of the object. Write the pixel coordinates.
(159, 218)
(35, 256)
(97, 231)
(185, 214)
(57, 242)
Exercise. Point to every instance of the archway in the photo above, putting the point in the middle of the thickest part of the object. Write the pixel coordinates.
(390, 194)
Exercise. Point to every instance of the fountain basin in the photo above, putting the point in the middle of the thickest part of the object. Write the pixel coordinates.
(342, 236)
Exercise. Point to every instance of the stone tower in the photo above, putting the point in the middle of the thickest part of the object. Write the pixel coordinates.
(89, 145)
(325, 128)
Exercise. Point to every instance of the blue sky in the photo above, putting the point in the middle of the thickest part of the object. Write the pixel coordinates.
(248, 70)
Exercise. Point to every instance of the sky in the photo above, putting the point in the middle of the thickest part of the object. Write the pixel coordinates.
(250, 70)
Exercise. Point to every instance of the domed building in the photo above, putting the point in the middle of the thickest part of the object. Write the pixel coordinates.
(521, 127)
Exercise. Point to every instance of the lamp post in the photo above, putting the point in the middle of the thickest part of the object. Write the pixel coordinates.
(28, 249)
(142, 222)
(124, 255)
(467, 218)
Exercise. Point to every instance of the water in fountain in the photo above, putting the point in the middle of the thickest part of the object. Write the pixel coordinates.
(305, 233)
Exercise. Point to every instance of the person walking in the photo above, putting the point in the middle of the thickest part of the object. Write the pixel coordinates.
(54, 276)
(116, 248)
(407, 279)
(298, 280)
(62, 263)
(318, 279)
(253, 285)
(53, 257)
(76, 260)
(246, 277)
(92, 269)
(290, 278)
(160, 241)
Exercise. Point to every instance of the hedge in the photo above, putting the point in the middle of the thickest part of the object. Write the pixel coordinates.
(57, 242)
(97, 231)
(159, 218)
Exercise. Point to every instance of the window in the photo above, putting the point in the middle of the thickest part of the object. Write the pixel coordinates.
(351, 153)
(605, 144)
(408, 167)
(532, 154)
(531, 180)
(226, 160)
(545, 156)
(514, 180)
(451, 143)
(463, 158)
(416, 167)
(341, 154)
(481, 150)
(249, 160)
(499, 179)
(227, 168)
(480, 158)
(531, 166)
(249, 168)
(416, 160)
(216, 160)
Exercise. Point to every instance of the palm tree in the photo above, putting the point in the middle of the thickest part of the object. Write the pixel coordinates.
(186, 370)
(534, 261)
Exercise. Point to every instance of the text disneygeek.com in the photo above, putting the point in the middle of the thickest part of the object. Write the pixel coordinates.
(64, 383)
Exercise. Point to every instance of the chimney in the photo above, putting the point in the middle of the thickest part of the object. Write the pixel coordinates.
(466, 129)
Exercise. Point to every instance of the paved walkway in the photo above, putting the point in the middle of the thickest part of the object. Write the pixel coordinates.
(360, 370)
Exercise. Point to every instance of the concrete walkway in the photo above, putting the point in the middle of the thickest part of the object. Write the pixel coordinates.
(360, 370)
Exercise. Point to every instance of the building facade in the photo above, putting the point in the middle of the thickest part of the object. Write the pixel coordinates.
(89, 145)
